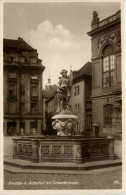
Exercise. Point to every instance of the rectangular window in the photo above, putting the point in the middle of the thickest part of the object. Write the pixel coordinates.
(33, 60)
(33, 125)
(34, 91)
(76, 90)
(33, 107)
(76, 108)
(108, 71)
(12, 90)
(12, 75)
(22, 59)
(12, 107)
(22, 90)
(11, 59)
(106, 64)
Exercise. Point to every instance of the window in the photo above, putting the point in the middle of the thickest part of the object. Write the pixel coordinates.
(12, 59)
(76, 90)
(33, 107)
(108, 111)
(22, 90)
(12, 107)
(22, 59)
(12, 90)
(34, 91)
(33, 125)
(12, 75)
(33, 60)
(108, 67)
(76, 108)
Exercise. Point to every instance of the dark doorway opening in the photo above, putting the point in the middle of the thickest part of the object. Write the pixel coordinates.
(22, 126)
(11, 128)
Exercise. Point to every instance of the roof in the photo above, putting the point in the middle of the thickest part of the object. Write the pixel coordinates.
(85, 70)
(17, 44)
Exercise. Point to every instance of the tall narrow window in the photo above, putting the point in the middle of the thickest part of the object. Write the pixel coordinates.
(34, 91)
(33, 107)
(12, 90)
(108, 66)
(76, 90)
(108, 111)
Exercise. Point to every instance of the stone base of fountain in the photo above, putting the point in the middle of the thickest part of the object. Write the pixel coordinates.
(73, 149)
(65, 123)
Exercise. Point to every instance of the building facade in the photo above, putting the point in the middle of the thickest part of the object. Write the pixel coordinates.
(22, 88)
(50, 103)
(80, 100)
(106, 73)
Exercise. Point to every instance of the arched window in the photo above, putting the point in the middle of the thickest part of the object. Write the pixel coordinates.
(108, 66)
(108, 111)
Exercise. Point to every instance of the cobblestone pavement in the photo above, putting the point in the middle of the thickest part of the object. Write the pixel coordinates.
(109, 179)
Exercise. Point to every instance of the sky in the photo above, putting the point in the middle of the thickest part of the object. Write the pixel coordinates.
(57, 30)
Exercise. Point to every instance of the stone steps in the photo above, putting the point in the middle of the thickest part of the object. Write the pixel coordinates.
(22, 166)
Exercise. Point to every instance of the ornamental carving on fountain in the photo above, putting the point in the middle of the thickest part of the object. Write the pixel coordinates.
(64, 121)
(114, 37)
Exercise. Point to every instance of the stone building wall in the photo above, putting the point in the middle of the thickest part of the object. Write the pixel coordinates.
(22, 88)
(106, 37)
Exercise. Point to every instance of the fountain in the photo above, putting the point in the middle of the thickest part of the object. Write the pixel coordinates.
(68, 145)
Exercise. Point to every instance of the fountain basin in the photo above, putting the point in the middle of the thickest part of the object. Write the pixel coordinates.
(73, 149)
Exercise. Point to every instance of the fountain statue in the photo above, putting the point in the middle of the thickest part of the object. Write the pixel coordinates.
(64, 121)
(63, 89)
